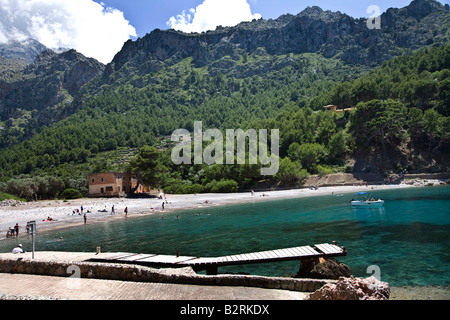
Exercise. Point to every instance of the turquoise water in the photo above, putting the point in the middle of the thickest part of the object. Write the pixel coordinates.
(408, 239)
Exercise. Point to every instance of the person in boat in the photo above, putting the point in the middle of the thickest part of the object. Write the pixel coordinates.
(372, 199)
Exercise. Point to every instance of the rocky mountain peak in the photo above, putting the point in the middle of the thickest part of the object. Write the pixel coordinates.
(312, 11)
(313, 30)
(422, 8)
(47, 87)
(27, 50)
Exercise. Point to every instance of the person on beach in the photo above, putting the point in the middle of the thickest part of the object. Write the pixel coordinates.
(18, 249)
(163, 205)
(85, 218)
(126, 211)
(16, 228)
(112, 210)
(11, 231)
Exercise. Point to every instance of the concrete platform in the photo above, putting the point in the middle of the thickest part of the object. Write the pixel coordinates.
(35, 287)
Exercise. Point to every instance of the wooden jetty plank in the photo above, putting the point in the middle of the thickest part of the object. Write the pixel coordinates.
(185, 262)
(198, 261)
(225, 259)
(264, 254)
(279, 253)
(119, 256)
(296, 252)
(258, 255)
(336, 248)
(312, 251)
(244, 257)
(228, 258)
(240, 257)
(247, 256)
(164, 259)
(271, 254)
(283, 253)
(136, 257)
(292, 252)
(300, 252)
(254, 256)
(329, 249)
(307, 251)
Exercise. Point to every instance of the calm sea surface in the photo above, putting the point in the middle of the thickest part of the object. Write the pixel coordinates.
(407, 239)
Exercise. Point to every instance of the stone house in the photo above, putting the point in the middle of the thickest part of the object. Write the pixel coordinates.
(113, 184)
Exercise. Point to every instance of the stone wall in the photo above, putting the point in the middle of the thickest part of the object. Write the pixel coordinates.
(127, 272)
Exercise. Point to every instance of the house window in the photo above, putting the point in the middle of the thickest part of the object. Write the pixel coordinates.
(109, 189)
(93, 180)
(102, 179)
(118, 188)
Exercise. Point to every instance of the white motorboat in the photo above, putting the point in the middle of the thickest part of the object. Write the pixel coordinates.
(367, 201)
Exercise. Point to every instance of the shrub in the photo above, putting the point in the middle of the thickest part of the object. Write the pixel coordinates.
(183, 188)
(225, 186)
(70, 194)
(7, 196)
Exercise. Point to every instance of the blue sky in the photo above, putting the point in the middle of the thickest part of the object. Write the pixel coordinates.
(147, 15)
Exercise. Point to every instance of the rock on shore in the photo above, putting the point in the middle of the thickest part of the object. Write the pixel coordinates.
(11, 202)
(353, 289)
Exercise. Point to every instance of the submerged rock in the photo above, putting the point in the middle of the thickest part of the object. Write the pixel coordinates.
(353, 289)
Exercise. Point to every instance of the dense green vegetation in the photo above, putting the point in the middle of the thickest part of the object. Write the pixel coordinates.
(6, 196)
(402, 103)
(133, 116)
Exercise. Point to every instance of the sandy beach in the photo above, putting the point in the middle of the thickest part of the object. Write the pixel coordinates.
(62, 212)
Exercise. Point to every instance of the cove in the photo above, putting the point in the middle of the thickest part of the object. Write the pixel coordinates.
(407, 239)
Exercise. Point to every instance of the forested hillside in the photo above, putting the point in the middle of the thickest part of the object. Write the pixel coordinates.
(236, 78)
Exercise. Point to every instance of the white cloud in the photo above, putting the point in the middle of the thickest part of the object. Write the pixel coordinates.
(87, 26)
(213, 13)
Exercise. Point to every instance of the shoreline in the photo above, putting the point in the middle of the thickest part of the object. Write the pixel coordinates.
(62, 212)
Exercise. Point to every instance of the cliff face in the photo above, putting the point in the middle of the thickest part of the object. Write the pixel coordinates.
(423, 22)
(42, 93)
